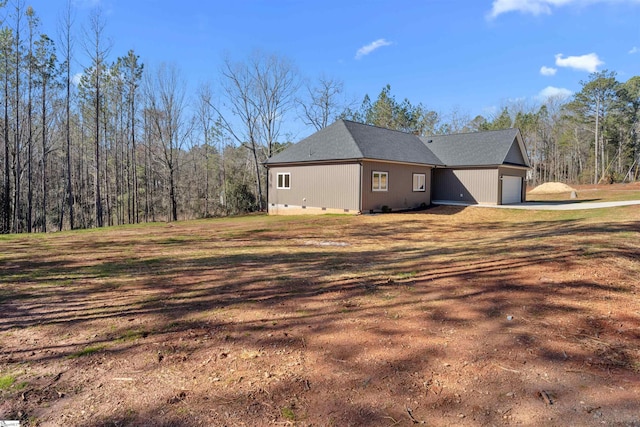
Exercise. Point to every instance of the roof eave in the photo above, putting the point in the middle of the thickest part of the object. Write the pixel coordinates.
(487, 166)
(399, 162)
(350, 160)
(312, 162)
(516, 166)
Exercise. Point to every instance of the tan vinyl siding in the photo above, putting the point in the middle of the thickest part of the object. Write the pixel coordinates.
(400, 194)
(334, 187)
(466, 185)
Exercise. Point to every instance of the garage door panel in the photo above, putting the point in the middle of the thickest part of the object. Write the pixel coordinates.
(511, 190)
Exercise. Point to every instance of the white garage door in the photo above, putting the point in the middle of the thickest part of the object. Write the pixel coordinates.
(511, 189)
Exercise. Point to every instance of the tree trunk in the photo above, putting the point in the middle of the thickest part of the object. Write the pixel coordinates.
(17, 210)
(69, 187)
(172, 194)
(134, 161)
(206, 174)
(595, 178)
(254, 151)
(6, 202)
(105, 171)
(147, 162)
(30, 137)
(44, 157)
(98, 197)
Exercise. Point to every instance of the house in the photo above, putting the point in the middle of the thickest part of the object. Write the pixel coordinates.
(350, 167)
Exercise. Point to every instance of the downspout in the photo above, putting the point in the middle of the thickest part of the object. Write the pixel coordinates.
(431, 183)
(267, 183)
(360, 188)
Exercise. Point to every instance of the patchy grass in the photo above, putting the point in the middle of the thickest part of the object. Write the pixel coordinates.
(87, 351)
(6, 381)
(317, 320)
(132, 335)
(288, 414)
(407, 275)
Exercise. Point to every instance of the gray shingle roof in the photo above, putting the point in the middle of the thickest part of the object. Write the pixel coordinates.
(346, 140)
(473, 149)
(331, 143)
(384, 144)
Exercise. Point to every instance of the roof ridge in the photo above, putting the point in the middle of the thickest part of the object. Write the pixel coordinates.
(353, 140)
(426, 136)
(468, 133)
(378, 127)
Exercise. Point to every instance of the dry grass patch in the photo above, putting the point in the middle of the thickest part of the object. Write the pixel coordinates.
(452, 316)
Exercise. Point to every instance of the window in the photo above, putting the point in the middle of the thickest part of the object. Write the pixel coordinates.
(419, 181)
(284, 181)
(380, 181)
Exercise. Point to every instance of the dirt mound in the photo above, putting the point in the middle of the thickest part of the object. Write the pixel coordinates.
(552, 188)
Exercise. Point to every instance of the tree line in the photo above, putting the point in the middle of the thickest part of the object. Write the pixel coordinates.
(591, 137)
(123, 144)
(117, 144)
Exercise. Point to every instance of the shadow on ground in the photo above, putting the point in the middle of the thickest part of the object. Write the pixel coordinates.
(383, 320)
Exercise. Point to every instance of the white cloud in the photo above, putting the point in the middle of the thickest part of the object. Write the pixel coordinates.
(534, 7)
(87, 4)
(75, 79)
(633, 50)
(366, 50)
(539, 7)
(589, 62)
(548, 71)
(553, 92)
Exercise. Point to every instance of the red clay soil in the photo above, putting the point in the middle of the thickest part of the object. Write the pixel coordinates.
(446, 317)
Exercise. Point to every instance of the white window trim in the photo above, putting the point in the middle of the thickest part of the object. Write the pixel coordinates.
(424, 182)
(386, 175)
(284, 180)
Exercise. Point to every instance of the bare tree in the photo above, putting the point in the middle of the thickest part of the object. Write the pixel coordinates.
(97, 49)
(322, 103)
(259, 93)
(276, 82)
(238, 85)
(46, 72)
(33, 24)
(210, 133)
(132, 74)
(457, 121)
(5, 46)
(66, 38)
(166, 100)
(17, 46)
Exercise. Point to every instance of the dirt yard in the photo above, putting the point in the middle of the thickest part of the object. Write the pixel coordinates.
(450, 316)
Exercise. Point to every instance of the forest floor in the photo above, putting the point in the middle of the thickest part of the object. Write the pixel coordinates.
(448, 316)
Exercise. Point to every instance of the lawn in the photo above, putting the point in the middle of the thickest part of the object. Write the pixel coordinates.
(449, 316)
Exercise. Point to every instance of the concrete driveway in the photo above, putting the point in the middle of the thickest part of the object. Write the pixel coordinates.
(568, 205)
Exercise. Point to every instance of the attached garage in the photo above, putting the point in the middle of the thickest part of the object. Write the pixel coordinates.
(511, 190)
(354, 168)
(486, 168)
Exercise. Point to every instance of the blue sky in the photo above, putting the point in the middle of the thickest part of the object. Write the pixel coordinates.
(471, 55)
